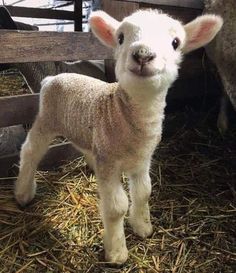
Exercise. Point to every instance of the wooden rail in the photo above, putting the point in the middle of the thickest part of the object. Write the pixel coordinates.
(56, 156)
(32, 46)
(18, 109)
(40, 13)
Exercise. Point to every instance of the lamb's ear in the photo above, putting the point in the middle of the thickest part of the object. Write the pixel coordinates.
(201, 31)
(104, 26)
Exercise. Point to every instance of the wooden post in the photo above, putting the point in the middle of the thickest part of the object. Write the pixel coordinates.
(78, 15)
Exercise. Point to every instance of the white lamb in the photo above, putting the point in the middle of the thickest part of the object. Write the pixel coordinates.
(117, 126)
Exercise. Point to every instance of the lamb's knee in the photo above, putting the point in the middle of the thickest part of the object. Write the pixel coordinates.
(26, 149)
(140, 188)
(90, 161)
(28, 154)
(114, 206)
(35, 146)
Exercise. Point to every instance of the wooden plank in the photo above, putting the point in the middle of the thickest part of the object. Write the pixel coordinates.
(196, 4)
(118, 9)
(40, 13)
(18, 109)
(33, 46)
(55, 157)
(78, 15)
(58, 155)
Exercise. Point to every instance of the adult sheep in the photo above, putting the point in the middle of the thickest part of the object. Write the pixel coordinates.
(222, 52)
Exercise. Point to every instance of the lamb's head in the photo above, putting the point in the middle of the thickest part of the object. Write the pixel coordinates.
(149, 45)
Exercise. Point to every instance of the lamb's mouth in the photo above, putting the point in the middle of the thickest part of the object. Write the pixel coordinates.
(143, 71)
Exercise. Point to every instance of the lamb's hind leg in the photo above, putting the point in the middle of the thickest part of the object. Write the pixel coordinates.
(113, 205)
(140, 190)
(32, 151)
(223, 121)
(228, 99)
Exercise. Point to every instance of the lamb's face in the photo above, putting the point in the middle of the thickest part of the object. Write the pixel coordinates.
(149, 46)
(148, 49)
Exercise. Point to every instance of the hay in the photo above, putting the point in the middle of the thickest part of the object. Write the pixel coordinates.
(12, 83)
(193, 207)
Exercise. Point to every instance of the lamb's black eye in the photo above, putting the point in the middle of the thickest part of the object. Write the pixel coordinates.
(175, 43)
(121, 38)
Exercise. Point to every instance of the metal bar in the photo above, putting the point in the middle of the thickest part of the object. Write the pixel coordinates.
(78, 15)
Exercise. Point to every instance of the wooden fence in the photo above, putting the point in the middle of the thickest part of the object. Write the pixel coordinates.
(35, 46)
(75, 15)
(32, 46)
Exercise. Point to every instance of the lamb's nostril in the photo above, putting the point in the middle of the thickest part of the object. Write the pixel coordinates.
(142, 57)
(136, 57)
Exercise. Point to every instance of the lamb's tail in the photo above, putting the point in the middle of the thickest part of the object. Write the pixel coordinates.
(46, 80)
(44, 83)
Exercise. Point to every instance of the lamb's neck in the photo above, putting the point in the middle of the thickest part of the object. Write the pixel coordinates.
(149, 104)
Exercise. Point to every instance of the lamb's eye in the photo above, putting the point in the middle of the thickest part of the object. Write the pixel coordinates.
(175, 43)
(121, 38)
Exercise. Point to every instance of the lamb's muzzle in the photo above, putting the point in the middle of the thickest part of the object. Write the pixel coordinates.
(117, 126)
(143, 56)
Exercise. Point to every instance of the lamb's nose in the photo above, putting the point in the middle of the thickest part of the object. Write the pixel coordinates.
(143, 55)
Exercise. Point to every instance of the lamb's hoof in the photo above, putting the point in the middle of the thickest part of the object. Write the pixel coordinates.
(117, 257)
(24, 196)
(142, 229)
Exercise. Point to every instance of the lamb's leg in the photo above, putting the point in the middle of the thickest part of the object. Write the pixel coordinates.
(89, 160)
(228, 99)
(32, 151)
(113, 206)
(140, 190)
(222, 120)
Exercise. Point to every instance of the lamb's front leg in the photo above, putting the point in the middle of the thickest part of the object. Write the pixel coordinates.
(140, 191)
(113, 205)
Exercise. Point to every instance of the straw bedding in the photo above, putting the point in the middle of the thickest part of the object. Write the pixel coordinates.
(193, 206)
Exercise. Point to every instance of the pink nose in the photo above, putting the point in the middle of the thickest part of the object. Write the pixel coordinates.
(143, 55)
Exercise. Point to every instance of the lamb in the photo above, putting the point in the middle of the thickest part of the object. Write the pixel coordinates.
(222, 52)
(117, 126)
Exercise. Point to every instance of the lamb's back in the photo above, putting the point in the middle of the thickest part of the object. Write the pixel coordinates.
(68, 101)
